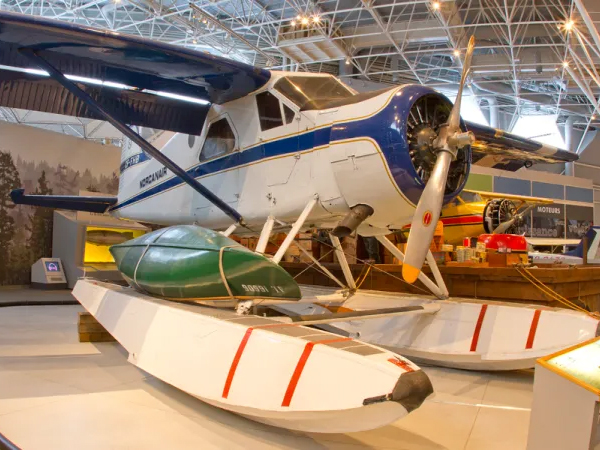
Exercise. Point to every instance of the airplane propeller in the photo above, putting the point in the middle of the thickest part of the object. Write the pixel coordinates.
(449, 140)
(504, 226)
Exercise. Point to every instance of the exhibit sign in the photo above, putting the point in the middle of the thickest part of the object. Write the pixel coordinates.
(548, 221)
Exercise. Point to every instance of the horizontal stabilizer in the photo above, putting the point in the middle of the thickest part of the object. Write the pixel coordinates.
(71, 202)
(502, 150)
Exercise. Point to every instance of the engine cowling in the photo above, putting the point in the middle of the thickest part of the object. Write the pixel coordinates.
(498, 211)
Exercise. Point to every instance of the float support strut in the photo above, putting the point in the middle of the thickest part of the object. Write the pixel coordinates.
(440, 292)
(341, 256)
(295, 229)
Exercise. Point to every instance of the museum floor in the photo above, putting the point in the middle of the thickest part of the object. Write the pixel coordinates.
(57, 393)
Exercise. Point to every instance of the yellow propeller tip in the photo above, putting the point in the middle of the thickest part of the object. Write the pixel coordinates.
(410, 273)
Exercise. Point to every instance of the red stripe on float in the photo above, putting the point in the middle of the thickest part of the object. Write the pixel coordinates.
(235, 362)
(289, 393)
(475, 339)
(533, 328)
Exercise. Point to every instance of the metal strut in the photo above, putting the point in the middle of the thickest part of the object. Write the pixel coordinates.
(439, 290)
(123, 128)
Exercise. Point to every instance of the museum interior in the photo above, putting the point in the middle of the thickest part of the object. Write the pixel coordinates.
(300, 224)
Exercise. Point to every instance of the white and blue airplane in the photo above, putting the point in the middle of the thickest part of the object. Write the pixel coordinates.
(251, 146)
(256, 150)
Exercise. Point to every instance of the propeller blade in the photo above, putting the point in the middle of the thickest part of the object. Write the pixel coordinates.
(425, 219)
(506, 225)
(454, 119)
(427, 213)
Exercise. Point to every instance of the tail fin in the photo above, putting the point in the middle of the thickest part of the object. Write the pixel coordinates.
(590, 235)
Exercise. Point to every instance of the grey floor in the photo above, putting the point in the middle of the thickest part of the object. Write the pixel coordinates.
(57, 393)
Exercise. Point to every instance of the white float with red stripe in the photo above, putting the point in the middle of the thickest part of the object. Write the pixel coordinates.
(463, 334)
(276, 373)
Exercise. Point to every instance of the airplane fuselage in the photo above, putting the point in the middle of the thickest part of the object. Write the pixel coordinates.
(356, 153)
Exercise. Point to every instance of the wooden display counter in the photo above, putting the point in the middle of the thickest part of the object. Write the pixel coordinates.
(579, 284)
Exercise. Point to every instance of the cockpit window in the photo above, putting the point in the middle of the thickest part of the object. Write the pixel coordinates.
(312, 92)
(268, 111)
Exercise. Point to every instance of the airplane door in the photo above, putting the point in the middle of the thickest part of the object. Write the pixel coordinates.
(280, 127)
(217, 171)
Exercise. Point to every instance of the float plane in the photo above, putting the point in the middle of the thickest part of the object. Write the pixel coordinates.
(256, 151)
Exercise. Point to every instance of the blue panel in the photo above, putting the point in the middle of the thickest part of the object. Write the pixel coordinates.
(580, 194)
(512, 186)
(548, 190)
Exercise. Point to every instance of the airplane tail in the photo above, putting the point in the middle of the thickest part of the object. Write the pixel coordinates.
(590, 235)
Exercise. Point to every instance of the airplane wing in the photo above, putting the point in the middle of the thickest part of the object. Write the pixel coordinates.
(524, 198)
(142, 81)
(502, 150)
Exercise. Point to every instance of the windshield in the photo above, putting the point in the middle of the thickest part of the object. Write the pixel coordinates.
(470, 196)
(312, 92)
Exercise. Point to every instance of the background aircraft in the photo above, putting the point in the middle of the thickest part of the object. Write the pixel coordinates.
(254, 148)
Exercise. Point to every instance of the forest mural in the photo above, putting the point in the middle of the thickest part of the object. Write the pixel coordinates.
(25, 231)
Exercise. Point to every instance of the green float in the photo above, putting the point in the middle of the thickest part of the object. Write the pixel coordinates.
(188, 262)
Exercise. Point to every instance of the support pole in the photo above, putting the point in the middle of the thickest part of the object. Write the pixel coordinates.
(321, 266)
(57, 76)
(263, 240)
(229, 230)
(337, 246)
(437, 274)
(295, 228)
(422, 277)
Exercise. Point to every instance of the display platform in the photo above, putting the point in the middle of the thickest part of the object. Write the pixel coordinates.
(580, 284)
(57, 393)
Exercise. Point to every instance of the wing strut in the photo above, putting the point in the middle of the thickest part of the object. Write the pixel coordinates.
(139, 140)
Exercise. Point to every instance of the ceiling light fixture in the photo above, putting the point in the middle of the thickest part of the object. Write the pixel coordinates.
(298, 17)
(316, 19)
(593, 116)
(569, 25)
(566, 64)
(293, 23)
(304, 21)
(347, 60)
(456, 52)
(436, 6)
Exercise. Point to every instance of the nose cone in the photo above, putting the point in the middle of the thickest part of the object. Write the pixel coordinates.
(412, 389)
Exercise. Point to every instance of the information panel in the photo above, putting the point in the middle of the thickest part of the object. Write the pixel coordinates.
(581, 363)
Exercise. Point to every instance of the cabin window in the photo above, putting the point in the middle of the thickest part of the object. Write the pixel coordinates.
(268, 111)
(289, 113)
(220, 140)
